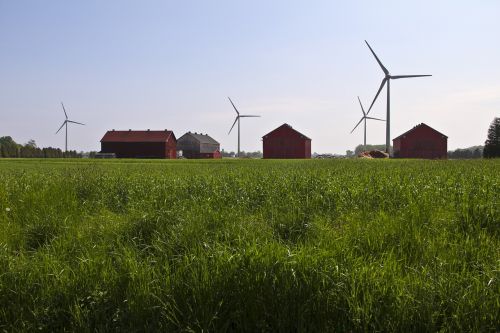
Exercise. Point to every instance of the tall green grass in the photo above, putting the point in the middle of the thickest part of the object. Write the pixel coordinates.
(406, 246)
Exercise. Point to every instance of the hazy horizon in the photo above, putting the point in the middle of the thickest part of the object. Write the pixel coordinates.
(172, 65)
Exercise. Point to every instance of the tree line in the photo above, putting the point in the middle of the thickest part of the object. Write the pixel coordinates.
(243, 154)
(12, 149)
(466, 153)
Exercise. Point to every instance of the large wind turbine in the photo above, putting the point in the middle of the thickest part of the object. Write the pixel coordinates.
(238, 116)
(387, 79)
(65, 123)
(365, 116)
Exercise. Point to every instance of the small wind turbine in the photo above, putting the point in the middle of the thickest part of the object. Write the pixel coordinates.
(238, 116)
(65, 123)
(388, 77)
(365, 116)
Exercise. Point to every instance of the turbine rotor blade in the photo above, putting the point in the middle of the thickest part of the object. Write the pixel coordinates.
(378, 60)
(375, 118)
(233, 125)
(395, 77)
(378, 92)
(74, 122)
(362, 109)
(235, 109)
(64, 111)
(357, 124)
(64, 123)
(247, 116)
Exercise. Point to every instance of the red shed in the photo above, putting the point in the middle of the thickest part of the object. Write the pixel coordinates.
(422, 141)
(140, 144)
(285, 142)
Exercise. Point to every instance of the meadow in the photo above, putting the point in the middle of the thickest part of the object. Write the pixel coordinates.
(249, 245)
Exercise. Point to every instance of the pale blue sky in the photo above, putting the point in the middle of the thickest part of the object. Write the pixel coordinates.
(172, 64)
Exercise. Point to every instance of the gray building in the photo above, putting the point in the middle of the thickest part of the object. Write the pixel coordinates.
(198, 145)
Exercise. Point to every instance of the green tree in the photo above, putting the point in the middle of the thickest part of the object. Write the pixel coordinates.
(492, 144)
(31, 143)
(9, 146)
(361, 148)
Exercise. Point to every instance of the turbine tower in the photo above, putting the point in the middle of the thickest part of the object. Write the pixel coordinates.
(65, 123)
(365, 116)
(387, 79)
(238, 116)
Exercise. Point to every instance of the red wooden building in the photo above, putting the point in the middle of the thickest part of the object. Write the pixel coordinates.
(285, 142)
(140, 144)
(422, 141)
(198, 145)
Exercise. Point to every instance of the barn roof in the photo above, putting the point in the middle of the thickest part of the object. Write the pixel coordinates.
(137, 136)
(289, 127)
(203, 138)
(416, 127)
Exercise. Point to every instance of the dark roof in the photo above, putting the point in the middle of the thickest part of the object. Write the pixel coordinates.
(419, 126)
(290, 127)
(202, 138)
(137, 136)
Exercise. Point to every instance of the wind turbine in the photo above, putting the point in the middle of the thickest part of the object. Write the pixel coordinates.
(238, 116)
(65, 123)
(365, 116)
(387, 79)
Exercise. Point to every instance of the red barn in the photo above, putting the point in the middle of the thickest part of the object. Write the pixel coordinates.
(285, 142)
(140, 144)
(422, 141)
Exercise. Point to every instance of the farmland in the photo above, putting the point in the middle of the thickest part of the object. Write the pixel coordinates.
(249, 245)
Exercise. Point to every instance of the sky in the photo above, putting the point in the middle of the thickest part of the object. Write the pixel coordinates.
(172, 64)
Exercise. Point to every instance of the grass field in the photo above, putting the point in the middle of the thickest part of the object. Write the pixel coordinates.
(249, 245)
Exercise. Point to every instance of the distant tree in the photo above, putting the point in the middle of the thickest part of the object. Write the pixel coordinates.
(28, 150)
(9, 147)
(3, 150)
(466, 153)
(226, 153)
(492, 144)
(52, 152)
(31, 143)
(71, 154)
(251, 154)
(349, 153)
(361, 148)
